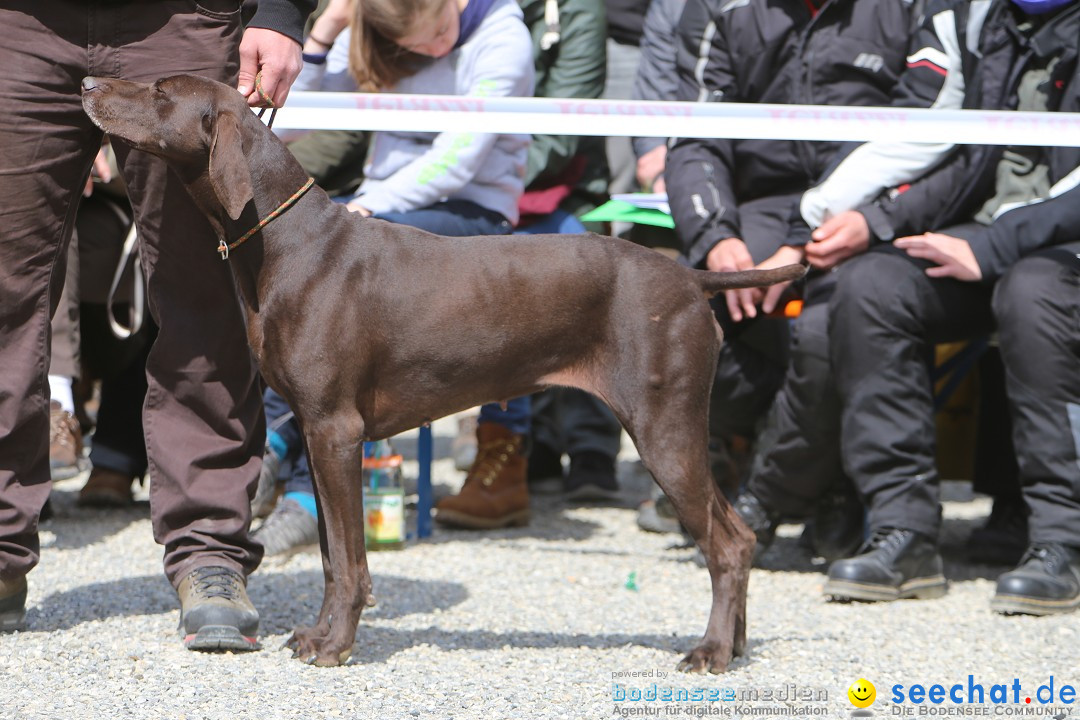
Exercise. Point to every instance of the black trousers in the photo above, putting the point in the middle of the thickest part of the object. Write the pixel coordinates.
(884, 319)
(754, 355)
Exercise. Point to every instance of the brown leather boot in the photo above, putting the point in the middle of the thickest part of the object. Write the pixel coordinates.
(495, 493)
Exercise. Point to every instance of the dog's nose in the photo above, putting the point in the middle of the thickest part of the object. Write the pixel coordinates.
(89, 83)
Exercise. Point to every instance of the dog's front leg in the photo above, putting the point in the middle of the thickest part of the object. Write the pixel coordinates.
(334, 451)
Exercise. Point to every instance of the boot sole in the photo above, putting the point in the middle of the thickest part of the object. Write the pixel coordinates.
(104, 499)
(13, 621)
(1024, 605)
(211, 638)
(550, 485)
(473, 522)
(591, 493)
(925, 588)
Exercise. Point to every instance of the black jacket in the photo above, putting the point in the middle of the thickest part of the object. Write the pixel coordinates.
(993, 55)
(852, 52)
(285, 16)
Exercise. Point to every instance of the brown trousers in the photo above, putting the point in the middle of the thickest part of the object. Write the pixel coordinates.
(202, 418)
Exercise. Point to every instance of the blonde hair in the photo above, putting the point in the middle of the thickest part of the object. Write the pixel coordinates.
(376, 61)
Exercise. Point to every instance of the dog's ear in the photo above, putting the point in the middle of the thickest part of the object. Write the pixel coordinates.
(229, 173)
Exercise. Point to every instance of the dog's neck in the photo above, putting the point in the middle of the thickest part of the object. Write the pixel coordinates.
(273, 184)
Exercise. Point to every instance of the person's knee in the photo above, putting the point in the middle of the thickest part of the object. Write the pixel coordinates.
(876, 288)
(1031, 283)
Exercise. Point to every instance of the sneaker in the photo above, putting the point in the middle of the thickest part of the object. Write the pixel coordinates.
(65, 443)
(106, 489)
(836, 530)
(591, 478)
(893, 564)
(215, 612)
(658, 515)
(759, 519)
(1004, 538)
(266, 491)
(1046, 582)
(463, 448)
(289, 529)
(12, 604)
(545, 470)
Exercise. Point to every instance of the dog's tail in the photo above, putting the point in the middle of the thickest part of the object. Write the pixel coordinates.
(713, 283)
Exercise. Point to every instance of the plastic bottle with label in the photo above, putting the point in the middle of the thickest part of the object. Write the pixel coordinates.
(384, 497)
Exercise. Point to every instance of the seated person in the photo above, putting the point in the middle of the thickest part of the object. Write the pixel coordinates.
(996, 209)
(732, 199)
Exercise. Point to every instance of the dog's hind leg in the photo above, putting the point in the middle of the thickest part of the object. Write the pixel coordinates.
(334, 451)
(671, 434)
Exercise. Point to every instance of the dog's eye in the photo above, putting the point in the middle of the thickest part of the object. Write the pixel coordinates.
(207, 120)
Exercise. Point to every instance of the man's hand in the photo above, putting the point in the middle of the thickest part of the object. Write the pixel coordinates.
(837, 239)
(277, 57)
(358, 208)
(650, 169)
(951, 256)
(787, 255)
(100, 170)
(728, 255)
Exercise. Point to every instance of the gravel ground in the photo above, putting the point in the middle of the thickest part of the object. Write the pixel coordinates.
(536, 622)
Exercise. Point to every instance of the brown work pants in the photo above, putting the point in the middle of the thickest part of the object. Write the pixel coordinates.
(202, 418)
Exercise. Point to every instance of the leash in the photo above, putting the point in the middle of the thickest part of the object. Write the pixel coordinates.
(266, 99)
(224, 248)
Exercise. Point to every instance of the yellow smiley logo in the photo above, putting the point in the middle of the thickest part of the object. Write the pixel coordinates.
(861, 693)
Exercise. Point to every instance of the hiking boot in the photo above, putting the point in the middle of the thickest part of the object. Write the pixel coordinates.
(893, 564)
(759, 519)
(12, 604)
(266, 491)
(463, 448)
(1004, 538)
(836, 530)
(288, 529)
(591, 478)
(65, 443)
(658, 515)
(1046, 582)
(495, 493)
(106, 489)
(545, 470)
(215, 612)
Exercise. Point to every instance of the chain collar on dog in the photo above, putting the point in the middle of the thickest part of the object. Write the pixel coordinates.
(224, 248)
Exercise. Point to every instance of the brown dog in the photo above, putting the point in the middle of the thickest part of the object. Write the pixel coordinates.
(369, 329)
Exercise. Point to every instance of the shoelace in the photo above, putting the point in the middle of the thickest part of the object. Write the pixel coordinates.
(490, 461)
(216, 582)
(884, 538)
(1041, 553)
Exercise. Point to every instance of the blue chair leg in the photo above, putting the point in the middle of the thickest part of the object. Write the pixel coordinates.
(424, 451)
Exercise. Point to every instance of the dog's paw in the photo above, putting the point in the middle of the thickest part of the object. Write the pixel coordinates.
(706, 658)
(311, 645)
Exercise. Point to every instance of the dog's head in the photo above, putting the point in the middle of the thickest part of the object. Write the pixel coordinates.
(195, 124)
